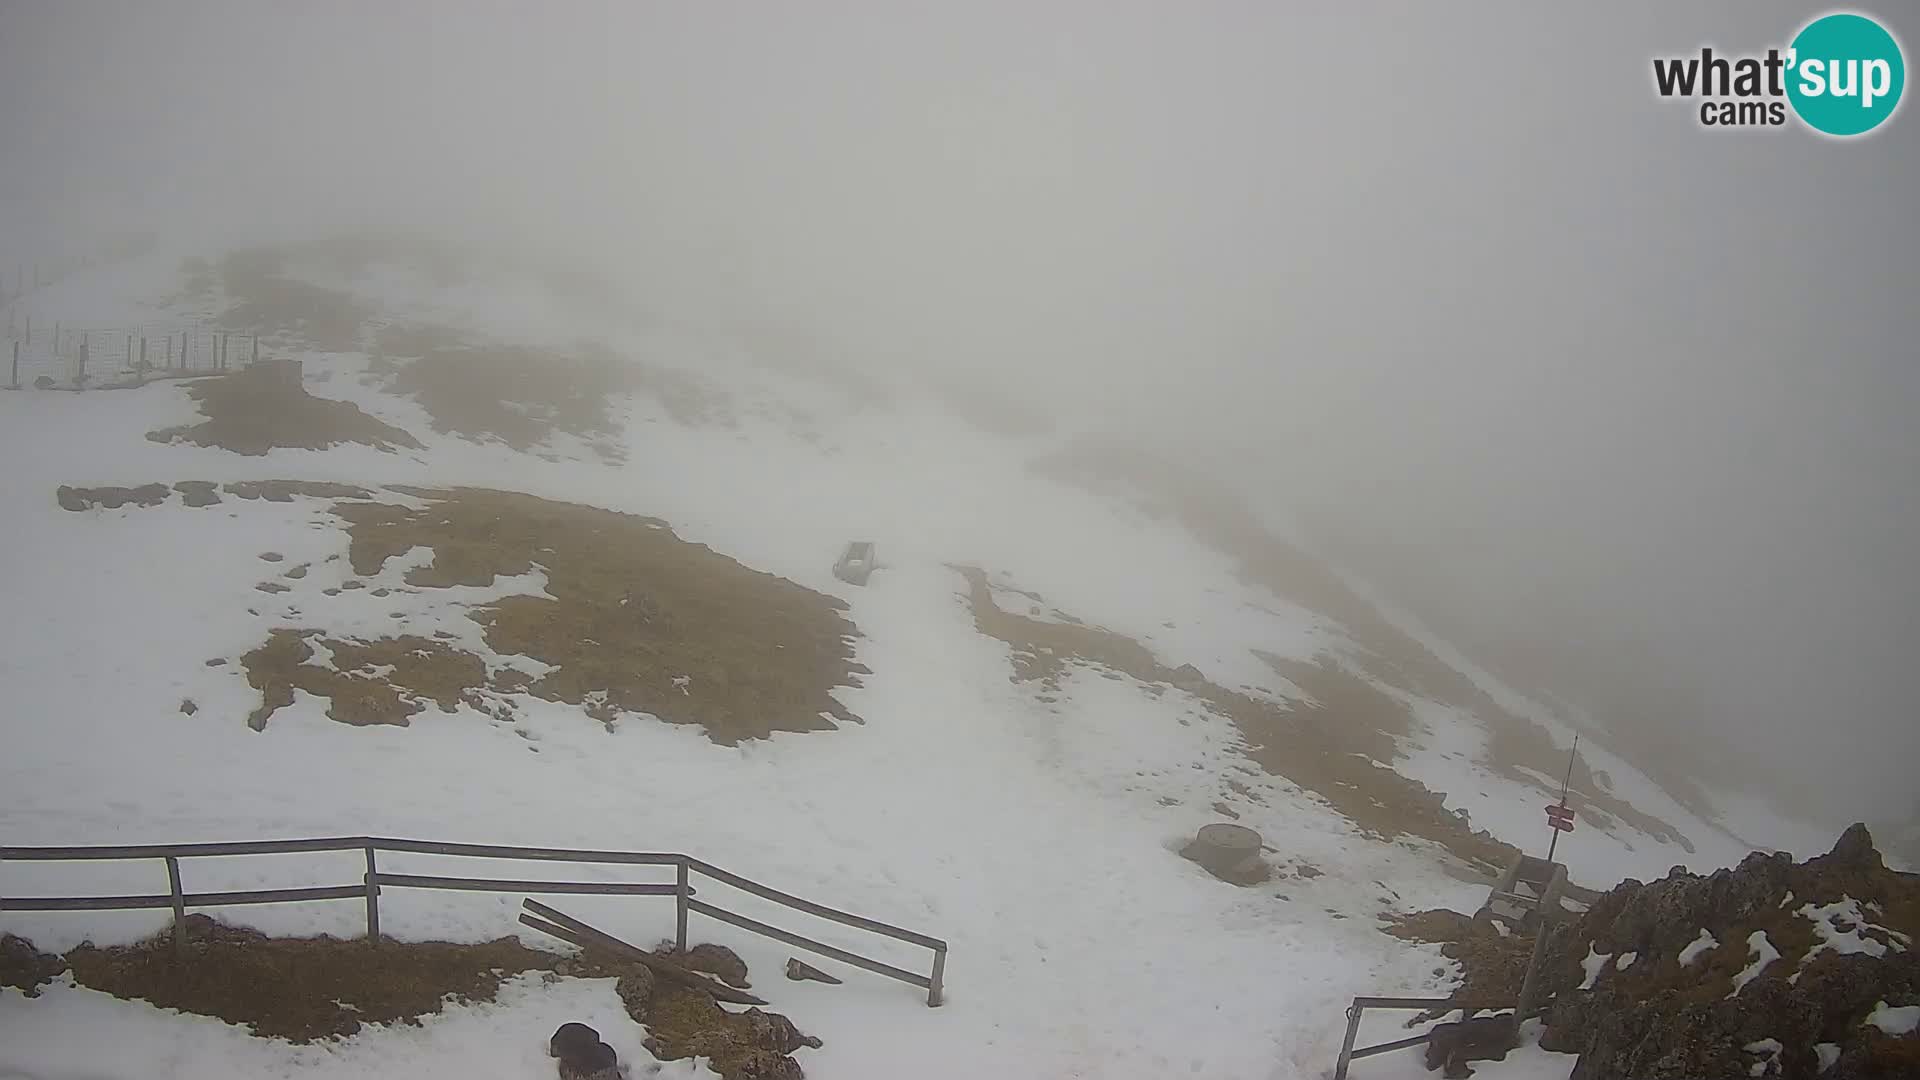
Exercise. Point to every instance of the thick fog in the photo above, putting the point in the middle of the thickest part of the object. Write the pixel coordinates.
(1629, 404)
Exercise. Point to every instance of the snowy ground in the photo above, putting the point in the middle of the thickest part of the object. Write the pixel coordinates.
(1037, 837)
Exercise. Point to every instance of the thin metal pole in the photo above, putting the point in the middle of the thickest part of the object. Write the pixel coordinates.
(1346, 1047)
(1554, 843)
(680, 903)
(939, 978)
(179, 907)
(373, 901)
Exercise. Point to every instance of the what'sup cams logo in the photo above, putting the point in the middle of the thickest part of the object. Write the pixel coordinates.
(1842, 75)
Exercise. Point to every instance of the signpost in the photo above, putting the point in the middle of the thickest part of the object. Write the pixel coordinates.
(1560, 815)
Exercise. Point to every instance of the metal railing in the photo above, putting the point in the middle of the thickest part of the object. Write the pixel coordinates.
(1350, 1054)
(681, 889)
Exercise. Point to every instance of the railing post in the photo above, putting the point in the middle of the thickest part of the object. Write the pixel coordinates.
(680, 904)
(935, 991)
(373, 901)
(179, 907)
(1346, 1047)
(1530, 982)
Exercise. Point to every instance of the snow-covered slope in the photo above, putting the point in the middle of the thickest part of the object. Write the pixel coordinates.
(1032, 826)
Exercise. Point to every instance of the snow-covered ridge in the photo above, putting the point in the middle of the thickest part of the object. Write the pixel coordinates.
(1033, 828)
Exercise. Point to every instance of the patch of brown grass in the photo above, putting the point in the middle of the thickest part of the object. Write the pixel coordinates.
(302, 989)
(109, 498)
(1314, 748)
(523, 396)
(1388, 653)
(251, 412)
(422, 671)
(631, 609)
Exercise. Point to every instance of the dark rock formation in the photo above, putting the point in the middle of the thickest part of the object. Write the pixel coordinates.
(1844, 929)
(26, 968)
(719, 961)
(1478, 1038)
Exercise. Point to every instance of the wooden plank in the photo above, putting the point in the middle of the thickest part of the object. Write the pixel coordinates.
(84, 903)
(841, 955)
(605, 888)
(1402, 1003)
(276, 896)
(812, 908)
(180, 851)
(589, 937)
(493, 851)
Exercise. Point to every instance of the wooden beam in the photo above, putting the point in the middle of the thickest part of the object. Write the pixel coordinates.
(591, 938)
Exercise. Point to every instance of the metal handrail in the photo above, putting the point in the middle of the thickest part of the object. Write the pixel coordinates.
(1349, 1053)
(372, 881)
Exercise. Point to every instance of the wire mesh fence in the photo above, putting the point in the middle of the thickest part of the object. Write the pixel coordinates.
(69, 358)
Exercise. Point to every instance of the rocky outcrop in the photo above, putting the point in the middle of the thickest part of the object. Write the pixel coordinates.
(684, 1022)
(26, 968)
(1770, 969)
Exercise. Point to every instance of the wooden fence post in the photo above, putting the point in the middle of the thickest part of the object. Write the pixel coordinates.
(373, 901)
(86, 343)
(939, 978)
(1529, 983)
(680, 903)
(16, 366)
(179, 907)
(129, 348)
(256, 350)
(169, 352)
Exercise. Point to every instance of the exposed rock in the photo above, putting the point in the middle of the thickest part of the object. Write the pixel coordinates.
(271, 556)
(719, 961)
(26, 968)
(752, 1045)
(218, 661)
(572, 1038)
(1659, 1019)
(635, 988)
(798, 970)
(187, 706)
(1480, 1038)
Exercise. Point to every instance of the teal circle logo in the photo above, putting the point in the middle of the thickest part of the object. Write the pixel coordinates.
(1845, 74)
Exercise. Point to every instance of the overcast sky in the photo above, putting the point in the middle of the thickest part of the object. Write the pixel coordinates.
(1447, 281)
